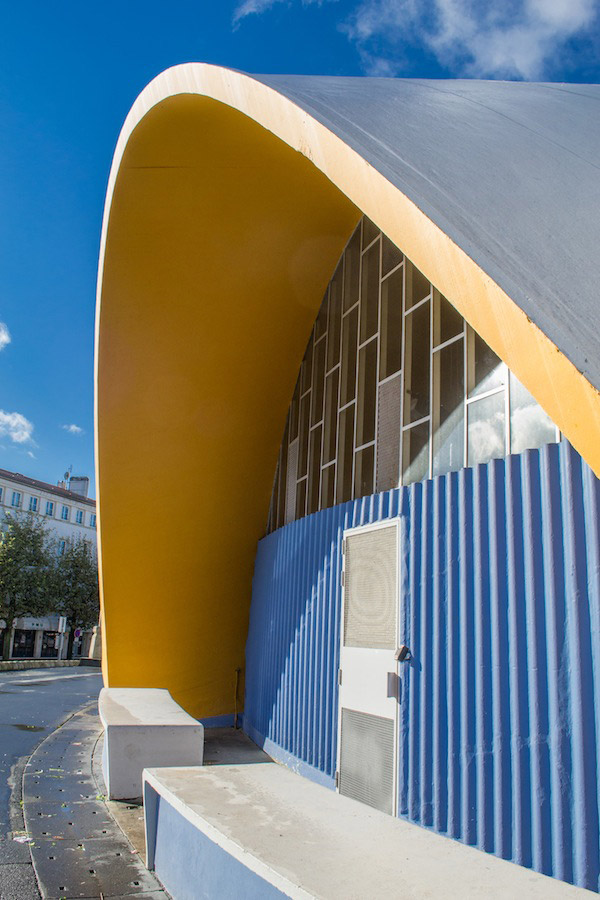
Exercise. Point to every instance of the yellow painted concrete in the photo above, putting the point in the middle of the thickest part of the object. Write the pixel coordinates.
(226, 212)
(219, 248)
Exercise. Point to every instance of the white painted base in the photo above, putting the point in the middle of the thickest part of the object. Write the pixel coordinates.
(144, 727)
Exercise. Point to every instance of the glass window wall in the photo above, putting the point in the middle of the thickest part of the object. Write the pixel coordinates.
(394, 388)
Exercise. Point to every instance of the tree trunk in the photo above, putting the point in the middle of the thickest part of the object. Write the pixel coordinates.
(7, 636)
(70, 642)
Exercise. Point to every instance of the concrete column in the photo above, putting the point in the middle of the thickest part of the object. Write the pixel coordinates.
(95, 651)
(37, 646)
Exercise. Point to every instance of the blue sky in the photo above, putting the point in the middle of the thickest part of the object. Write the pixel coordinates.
(68, 76)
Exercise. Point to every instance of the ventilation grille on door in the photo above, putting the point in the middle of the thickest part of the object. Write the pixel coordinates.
(367, 759)
(370, 581)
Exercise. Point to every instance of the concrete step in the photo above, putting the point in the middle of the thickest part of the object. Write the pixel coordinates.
(261, 831)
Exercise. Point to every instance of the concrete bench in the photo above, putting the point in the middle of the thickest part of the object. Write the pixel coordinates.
(263, 832)
(144, 727)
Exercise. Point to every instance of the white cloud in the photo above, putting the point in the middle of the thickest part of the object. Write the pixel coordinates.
(252, 7)
(5, 337)
(32, 455)
(516, 38)
(255, 7)
(73, 429)
(16, 427)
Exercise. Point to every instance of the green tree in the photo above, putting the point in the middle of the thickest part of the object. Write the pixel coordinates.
(25, 571)
(76, 586)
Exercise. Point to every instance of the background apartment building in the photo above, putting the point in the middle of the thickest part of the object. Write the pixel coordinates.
(69, 515)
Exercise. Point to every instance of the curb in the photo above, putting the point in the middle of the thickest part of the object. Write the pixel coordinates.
(18, 665)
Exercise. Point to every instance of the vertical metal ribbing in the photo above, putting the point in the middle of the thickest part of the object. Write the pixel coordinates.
(439, 648)
(319, 643)
(520, 743)
(452, 656)
(500, 709)
(558, 694)
(468, 831)
(500, 661)
(414, 694)
(405, 618)
(583, 735)
(591, 505)
(426, 658)
(537, 683)
(483, 684)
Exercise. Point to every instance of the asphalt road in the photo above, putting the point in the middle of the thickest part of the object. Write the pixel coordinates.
(32, 704)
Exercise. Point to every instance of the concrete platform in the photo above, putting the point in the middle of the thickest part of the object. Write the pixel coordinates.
(144, 727)
(260, 831)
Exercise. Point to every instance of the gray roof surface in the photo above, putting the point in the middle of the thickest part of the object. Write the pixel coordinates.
(509, 170)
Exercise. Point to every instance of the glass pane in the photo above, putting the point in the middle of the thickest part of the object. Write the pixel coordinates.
(349, 337)
(369, 294)
(415, 453)
(447, 321)
(351, 270)
(301, 499)
(390, 346)
(485, 420)
(417, 286)
(390, 255)
(335, 318)
(272, 520)
(487, 370)
(370, 232)
(363, 474)
(416, 364)
(304, 425)
(321, 323)
(306, 370)
(328, 487)
(283, 456)
(388, 434)
(318, 382)
(294, 412)
(448, 437)
(331, 399)
(530, 426)
(344, 460)
(367, 393)
(315, 470)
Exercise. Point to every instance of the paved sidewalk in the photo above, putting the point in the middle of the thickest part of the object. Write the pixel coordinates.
(78, 850)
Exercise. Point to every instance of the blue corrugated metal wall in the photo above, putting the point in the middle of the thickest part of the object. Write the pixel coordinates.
(500, 708)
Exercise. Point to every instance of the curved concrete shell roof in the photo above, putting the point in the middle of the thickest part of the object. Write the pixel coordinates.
(509, 170)
(229, 202)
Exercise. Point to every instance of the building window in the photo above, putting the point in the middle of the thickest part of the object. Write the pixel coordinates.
(79, 517)
(64, 513)
(33, 504)
(49, 508)
(16, 498)
(93, 520)
(394, 388)
(1, 494)
(61, 548)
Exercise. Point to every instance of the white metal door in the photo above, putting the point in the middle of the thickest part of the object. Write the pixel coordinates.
(368, 676)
